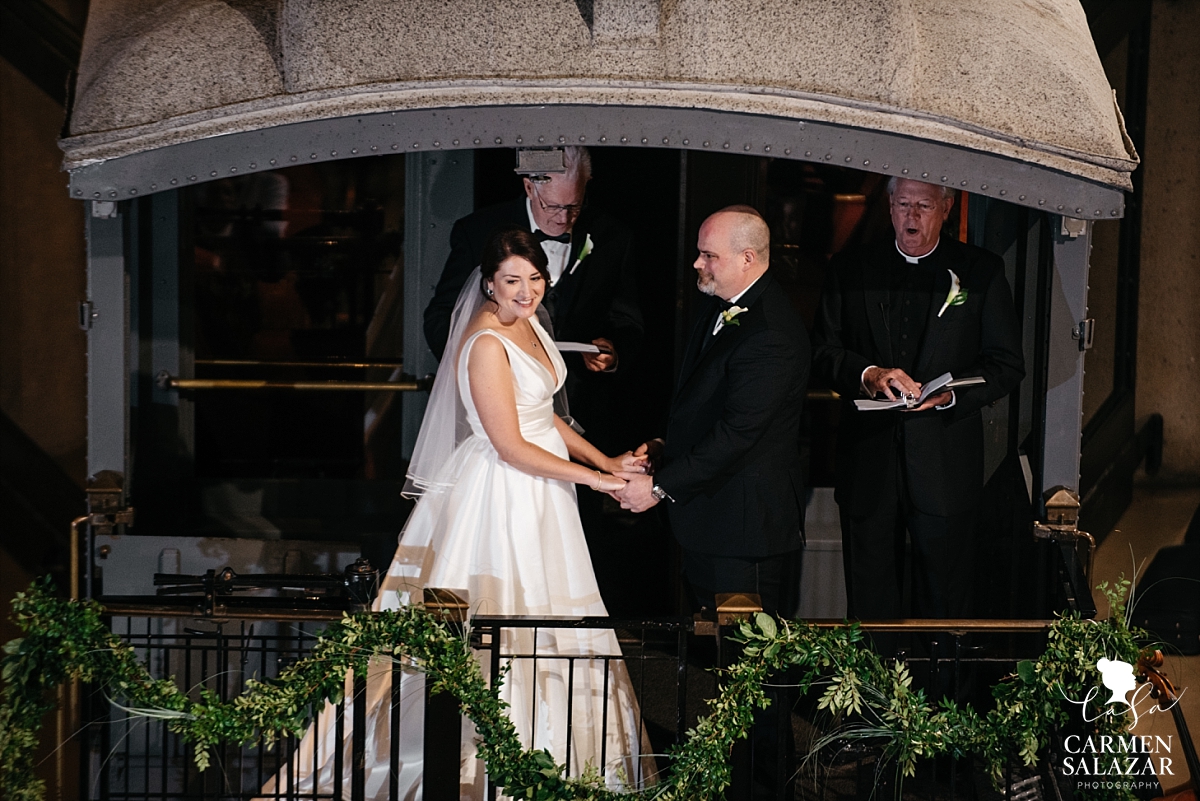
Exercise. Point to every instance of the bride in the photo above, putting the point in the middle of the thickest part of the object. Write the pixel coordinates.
(497, 523)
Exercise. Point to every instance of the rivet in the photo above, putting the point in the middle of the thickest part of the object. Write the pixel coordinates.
(645, 140)
(706, 143)
(373, 149)
(1003, 192)
(1021, 197)
(624, 139)
(1042, 202)
(904, 171)
(112, 194)
(808, 152)
(1098, 212)
(520, 141)
(866, 162)
(455, 142)
(725, 146)
(96, 194)
(562, 139)
(416, 144)
(924, 175)
(582, 138)
(962, 183)
(353, 152)
(272, 161)
(233, 169)
(254, 165)
(498, 140)
(394, 147)
(787, 151)
(944, 179)
(477, 140)
(766, 148)
(603, 139)
(983, 186)
(78, 192)
(1079, 211)
(213, 174)
(133, 191)
(191, 177)
(1060, 207)
(848, 159)
(885, 166)
(540, 139)
(1113, 213)
(746, 147)
(666, 141)
(174, 181)
(155, 186)
(313, 156)
(828, 156)
(333, 153)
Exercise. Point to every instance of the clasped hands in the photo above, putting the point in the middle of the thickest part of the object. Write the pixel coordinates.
(635, 495)
(896, 384)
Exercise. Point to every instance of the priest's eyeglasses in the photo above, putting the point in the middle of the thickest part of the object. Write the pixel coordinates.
(921, 206)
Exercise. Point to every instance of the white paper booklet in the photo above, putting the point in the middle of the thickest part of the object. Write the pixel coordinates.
(931, 388)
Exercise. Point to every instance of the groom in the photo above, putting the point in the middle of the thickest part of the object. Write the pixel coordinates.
(730, 470)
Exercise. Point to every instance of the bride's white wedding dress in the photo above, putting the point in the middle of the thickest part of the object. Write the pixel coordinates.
(512, 544)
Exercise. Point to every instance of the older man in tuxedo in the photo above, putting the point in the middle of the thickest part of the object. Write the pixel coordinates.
(592, 296)
(729, 468)
(894, 315)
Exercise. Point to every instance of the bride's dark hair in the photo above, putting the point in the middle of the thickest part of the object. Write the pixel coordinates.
(511, 240)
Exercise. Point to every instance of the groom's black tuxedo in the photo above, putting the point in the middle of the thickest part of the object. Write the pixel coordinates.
(732, 458)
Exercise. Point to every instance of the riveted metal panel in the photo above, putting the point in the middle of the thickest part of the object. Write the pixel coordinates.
(108, 341)
(469, 128)
(1065, 366)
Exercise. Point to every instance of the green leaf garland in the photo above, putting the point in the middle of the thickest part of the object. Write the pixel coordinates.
(866, 698)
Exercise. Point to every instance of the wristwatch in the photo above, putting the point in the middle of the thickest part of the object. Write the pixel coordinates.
(660, 494)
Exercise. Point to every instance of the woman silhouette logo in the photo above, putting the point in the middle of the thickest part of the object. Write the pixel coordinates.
(1117, 676)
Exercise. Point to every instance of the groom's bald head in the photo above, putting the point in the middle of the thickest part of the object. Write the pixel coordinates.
(735, 250)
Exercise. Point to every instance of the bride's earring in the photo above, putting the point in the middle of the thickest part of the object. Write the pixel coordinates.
(490, 292)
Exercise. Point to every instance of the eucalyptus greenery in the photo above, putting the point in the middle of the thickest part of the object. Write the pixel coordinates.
(865, 697)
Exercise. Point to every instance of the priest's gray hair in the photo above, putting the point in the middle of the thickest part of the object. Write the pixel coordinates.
(947, 191)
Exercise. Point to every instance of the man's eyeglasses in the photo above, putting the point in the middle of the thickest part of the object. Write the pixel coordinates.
(922, 206)
(553, 210)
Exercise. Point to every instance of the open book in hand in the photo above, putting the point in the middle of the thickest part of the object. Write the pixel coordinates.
(941, 383)
(579, 347)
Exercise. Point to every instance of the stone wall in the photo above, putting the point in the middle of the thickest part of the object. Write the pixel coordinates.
(1168, 380)
(42, 278)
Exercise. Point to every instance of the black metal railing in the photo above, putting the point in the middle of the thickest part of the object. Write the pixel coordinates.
(666, 662)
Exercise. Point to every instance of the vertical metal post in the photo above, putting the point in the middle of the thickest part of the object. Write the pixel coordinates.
(107, 320)
(1064, 369)
(439, 189)
(358, 739)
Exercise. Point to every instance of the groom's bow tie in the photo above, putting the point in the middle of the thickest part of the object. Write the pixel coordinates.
(542, 236)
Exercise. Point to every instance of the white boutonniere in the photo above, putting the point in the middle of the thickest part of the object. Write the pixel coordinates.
(957, 295)
(584, 252)
(729, 316)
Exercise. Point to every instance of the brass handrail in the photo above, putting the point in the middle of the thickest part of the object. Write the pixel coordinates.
(167, 381)
(822, 395)
(383, 365)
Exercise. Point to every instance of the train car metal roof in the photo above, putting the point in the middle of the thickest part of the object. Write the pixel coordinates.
(1018, 83)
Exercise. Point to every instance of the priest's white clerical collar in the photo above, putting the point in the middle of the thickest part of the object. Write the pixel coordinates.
(917, 259)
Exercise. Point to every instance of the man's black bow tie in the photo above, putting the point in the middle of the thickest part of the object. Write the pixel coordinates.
(542, 236)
